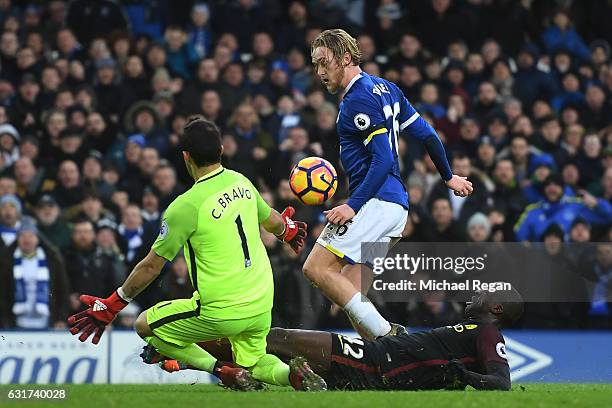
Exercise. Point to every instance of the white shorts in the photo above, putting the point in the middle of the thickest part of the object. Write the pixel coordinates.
(378, 225)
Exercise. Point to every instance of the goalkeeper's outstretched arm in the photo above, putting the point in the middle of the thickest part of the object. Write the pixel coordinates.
(286, 229)
(143, 274)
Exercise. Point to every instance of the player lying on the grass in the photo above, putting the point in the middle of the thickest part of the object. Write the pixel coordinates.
(469, 353)
(372, 114)
(217, 223)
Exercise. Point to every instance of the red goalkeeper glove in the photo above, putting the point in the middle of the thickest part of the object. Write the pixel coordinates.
(295, 232)
(94, 319)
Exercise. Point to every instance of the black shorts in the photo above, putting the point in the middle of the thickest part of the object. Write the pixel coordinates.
(353, 365)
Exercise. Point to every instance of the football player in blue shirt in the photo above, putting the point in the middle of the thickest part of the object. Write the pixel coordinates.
(372, 114)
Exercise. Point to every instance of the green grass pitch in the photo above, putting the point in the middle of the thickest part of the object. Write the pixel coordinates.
(200, 395)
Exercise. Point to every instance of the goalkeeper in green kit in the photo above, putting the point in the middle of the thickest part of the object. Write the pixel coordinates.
(217, 223)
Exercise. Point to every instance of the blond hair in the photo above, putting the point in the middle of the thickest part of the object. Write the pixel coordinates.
(339, 42)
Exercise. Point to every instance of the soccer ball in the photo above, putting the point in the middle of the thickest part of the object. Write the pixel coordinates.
(313, 180)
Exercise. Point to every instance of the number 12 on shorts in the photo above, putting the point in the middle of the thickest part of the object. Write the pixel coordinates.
(352, 347)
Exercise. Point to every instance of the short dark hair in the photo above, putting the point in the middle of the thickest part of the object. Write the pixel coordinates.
(202, 139)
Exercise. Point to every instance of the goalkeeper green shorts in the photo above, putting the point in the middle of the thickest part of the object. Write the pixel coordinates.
(179, 322)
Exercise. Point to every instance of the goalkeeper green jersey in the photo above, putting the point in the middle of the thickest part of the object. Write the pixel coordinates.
(217, 223)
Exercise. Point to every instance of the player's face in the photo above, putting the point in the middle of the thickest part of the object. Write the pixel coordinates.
(328, 69)
(477, 306)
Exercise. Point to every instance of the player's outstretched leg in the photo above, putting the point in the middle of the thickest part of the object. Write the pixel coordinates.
(324, 268)
(175, 357)
(362, 276)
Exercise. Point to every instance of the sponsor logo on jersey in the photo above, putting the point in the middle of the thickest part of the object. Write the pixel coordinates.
(500, 348)
(362, 121)
(163, 230)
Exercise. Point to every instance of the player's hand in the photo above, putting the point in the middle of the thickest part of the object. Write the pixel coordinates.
(295, 232)
(460, 186)
(94, 319)
(340, 215)
(456, 370)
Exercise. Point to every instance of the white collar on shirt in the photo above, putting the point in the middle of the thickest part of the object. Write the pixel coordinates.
(355, 78)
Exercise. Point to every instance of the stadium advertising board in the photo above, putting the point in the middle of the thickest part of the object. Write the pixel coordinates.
(54, 357)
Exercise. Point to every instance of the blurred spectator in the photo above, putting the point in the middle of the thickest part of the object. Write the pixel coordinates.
(478, 228)
(69, 189)
(9, 145)
(180, 52)
(199, 32)
(34, 283)
(444, 228)
(530, 82)
(177, 284)
(50, 224)
(561, 33)
(508, 198)
(462, 207)
(91, 110)
(90, 268)
(560, 210)
(90, 20)
(131, 230)
(10, 218)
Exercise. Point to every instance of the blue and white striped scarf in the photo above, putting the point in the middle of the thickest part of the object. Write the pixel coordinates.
(8, 234)
(42, 284)
(133, 239)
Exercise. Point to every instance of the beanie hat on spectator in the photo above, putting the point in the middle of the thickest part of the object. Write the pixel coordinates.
(7, 128)
(201, 8)
(94, 154)
(106, 223)
(163, 95)
(28, 224)
(138, 139)
(135, 109)
(11, 199)
(415, 180)
(486, 140)
(479, 219)
(542, 160)
(554, 229)
(281, 65)
(46, 199)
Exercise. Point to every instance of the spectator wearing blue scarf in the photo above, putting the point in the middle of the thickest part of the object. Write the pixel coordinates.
(33, 283)
(199, 34)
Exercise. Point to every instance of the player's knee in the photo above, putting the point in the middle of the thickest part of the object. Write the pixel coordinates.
(141, 326)
(312, 271)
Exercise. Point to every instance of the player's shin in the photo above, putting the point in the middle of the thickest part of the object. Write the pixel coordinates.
(363, 313)
(191, 354)
(270, 369)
